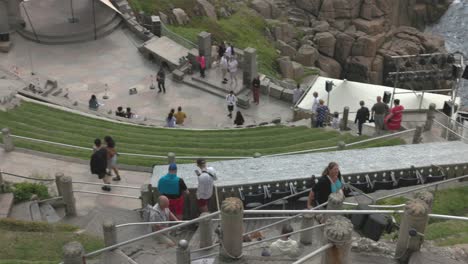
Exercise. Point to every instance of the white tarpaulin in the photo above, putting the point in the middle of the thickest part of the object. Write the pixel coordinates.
(109, 4)
(348, 93)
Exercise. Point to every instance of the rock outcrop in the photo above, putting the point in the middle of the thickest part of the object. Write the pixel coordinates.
(180, 16)
(207, 9)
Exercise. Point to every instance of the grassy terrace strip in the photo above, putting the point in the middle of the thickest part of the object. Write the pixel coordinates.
(41, 122)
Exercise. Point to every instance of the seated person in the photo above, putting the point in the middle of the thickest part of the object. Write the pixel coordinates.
(161, 213)
(129, 113)
(93, 103)
(285, 245)
(120, 112)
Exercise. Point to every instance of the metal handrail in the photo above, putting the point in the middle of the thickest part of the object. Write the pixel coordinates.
(285, 220)
(444, 126)
(314, 253)
(449, 217)
(108, 194)
(282, 198)
(165, 230)
(421, 187)
(378, 205)
(324, 212)
(151, 223)
(25, 177)
(110, 185)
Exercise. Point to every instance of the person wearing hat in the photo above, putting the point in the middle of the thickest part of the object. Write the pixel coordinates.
(173, 187)
(206, 179)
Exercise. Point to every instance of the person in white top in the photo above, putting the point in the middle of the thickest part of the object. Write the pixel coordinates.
(232, 68)
(224, 68)
(206, 179)
(315, 104)
(285, 245)
(297, 94)
(161, 213)
(231, 101)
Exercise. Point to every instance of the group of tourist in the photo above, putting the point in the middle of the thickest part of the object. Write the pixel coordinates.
(174, 118)
(121, 113)
(172, 189)
(227, 62)
(104, 161)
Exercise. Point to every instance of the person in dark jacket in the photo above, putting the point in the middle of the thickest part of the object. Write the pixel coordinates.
(98, 163)
(161, 78)
(256, 89)
(362, 116)
(329, 182)
(93, 103)
(239, 121)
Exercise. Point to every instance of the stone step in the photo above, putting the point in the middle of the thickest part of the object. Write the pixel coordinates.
(48, 213)
(6, 203)
(206, 88)
(35, 211)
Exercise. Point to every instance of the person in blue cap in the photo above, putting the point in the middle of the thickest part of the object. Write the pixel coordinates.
(173, 187)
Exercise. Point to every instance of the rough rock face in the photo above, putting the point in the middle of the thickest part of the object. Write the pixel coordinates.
(266, 8)
(180, 16)
(354, 39)
(290, 69)
(207, 9)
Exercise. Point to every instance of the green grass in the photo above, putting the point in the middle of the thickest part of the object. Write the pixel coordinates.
(41, 122)
(453, 201)
(23, 242)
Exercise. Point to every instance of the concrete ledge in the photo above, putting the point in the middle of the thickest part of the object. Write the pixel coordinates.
(276, 91)
(6, 203)
(178, 75)
(5, 46)
(287, 95)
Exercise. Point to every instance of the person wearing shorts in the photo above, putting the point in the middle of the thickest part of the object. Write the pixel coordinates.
(112, 158)
(206, 179)
(173, 187)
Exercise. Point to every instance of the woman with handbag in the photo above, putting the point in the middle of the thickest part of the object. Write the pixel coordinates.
(393, 120)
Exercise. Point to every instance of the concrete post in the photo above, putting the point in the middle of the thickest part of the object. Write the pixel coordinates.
(14, 13)
(344, 119)
(426, 197)
(110, 233)
(308, 220)
(231, 228)
(204, 47)
(183, 252)
(430, 117)
(156, 25)
(58, 176)
(417, 137)
(415, 218)
(335, 202)
(73, 253)
(146, 195)
(171, 158)
(66, 186)
(7, 139)
(338, 231)
(206, 232)
(249, 67)
(4, 20)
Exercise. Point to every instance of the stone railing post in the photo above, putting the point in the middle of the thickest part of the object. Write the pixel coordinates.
(413, 224)
(430, 117)
(7, 140)
(73, 253)
(338, 231)
(204, 47)
(183, 252)
(110, 233)
(344, 119)
(249, 66)
(206, 232)
(146, 195)
(58, 176)
(335, 201)
(66, 186)
(156, 25)
(427, 197)
(171, 158)
(232, 213)
(308, 220)
(417, 137)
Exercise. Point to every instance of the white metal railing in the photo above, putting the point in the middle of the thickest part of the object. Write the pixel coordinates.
(449, 129)
(25, 177)
(110, 185)
(108, 194)
(314, 253)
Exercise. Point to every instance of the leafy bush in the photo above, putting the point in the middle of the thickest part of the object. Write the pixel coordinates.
(23, 191)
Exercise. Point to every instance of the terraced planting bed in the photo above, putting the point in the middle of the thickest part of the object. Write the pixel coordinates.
(42, 122)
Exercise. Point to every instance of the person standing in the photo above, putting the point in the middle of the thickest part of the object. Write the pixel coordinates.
(112, 158)
(180, 116)
(321, 114)
(330, 182)
(232, 68)
(379, 110)
(393, 120)
(256, 89)
(229, 51)
(231, 100)
(362, 116)
(224, 68)
(315, 102)
(297, 93)
(202, 63)
(93, 103)
(161, 79)
(98, 164)
(206, 178)
(174, 188)
(221, 51)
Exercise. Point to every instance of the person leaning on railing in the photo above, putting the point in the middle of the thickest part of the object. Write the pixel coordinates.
(329, 182)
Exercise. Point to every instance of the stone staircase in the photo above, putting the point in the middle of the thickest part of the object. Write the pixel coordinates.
(101, 31)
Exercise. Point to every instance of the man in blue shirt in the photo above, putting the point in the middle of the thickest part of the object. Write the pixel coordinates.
(173, 187)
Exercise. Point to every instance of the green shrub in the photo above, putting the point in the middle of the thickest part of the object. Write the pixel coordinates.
(30, 226)
(23, 191)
